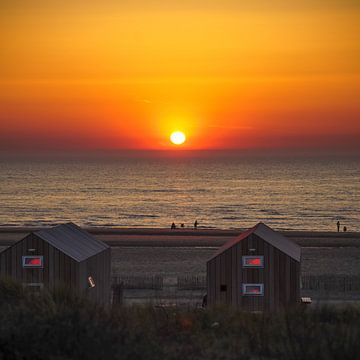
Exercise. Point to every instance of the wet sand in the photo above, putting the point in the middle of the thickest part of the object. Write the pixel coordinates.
(190, 237)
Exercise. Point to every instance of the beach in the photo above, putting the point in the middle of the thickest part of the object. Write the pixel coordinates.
(140, 255)
(161, 237)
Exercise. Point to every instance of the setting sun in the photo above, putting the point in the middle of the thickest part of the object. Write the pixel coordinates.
(177, 137)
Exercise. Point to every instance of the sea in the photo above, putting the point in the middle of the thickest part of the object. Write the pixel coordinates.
(285, 193)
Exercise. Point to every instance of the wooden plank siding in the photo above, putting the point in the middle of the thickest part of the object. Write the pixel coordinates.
(234, 277)
(99, 268)
(239, 279)
(59, 269)
(211, 284)
(56, 265)
(217, 280)
(280, 276)
(222, 278)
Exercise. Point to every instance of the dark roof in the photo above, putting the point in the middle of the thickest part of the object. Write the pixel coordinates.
(72, 241)
(269, 235)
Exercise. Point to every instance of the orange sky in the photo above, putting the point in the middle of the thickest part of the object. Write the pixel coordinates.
(114, 75)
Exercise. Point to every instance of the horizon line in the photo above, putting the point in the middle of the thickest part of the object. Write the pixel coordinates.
(181, 153)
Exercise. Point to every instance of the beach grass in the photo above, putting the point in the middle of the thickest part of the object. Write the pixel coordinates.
(60, 325)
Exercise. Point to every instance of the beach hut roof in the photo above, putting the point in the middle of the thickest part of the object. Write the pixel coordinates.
(269, 235)
(72, 241)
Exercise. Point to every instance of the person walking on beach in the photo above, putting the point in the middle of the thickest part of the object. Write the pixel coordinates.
(338, 225)
(173, 226)
(195, 224)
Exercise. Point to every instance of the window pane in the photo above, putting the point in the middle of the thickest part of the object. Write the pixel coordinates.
(253, 289)
(253, 261)
(32, 261)
(33, 287)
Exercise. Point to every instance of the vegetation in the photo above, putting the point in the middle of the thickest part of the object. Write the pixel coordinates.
(61, 326)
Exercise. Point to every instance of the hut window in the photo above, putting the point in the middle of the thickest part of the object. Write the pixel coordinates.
(253, 289)
(91, 282)
(253, 261)
(223, 288)
(32, 261)
(34, 287)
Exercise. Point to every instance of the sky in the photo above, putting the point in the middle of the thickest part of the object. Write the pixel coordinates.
(230, 74)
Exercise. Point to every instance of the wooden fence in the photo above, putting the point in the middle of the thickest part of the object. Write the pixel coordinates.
(336, 283)
(189, 282)
(319, 283)
(139, 282)
(117, 297)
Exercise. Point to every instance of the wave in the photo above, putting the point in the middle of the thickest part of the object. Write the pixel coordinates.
(270, 211)
(180, 191)
(139, 216)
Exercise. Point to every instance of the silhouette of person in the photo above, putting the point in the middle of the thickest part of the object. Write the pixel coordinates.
(204, 302)
(173, 226)
(195, 224)
(182, 225)
(338, 225)
(345, 229)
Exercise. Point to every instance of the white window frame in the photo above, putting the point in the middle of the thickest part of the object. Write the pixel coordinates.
(37, 286)
(245, 265)
(29, 266)
(245, 293)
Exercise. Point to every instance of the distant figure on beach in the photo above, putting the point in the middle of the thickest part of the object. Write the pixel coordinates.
(195, 224)
(345, 229)
(338, 225)
(173, 226)
(204, 302)
(182, 225)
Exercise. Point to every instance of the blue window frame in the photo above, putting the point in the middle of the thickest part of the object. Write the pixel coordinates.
(253, 289)
(253, 261)
(32, 261)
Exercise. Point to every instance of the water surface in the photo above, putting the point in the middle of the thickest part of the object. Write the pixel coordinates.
(286, 194)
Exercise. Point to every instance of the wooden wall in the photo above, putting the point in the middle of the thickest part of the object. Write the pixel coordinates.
(99, 268)
(280, 276)
(59, 269)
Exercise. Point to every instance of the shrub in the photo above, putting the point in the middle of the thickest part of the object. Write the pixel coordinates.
(60, 325)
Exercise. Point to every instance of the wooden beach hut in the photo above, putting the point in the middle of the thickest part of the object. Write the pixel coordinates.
(62, 256)
(256, 271)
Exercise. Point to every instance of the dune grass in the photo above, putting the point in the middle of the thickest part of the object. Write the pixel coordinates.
(60, 325)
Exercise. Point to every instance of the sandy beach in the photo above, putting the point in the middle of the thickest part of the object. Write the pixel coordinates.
(189, 237)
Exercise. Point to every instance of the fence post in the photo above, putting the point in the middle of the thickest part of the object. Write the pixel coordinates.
(118, 294)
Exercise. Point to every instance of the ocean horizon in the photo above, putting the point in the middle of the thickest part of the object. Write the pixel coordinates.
(286, 193)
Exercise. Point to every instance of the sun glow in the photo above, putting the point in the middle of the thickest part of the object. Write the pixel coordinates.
(177, 137)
